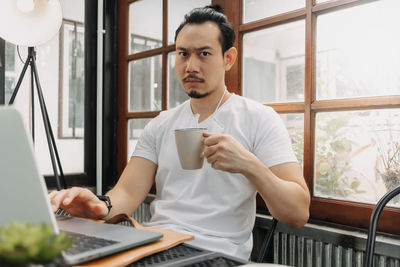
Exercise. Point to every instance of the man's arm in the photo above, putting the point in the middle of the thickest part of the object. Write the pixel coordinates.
(133, 186)
(282, 186)
(130, 191)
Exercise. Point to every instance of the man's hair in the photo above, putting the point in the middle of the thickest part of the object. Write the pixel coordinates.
(212, 13)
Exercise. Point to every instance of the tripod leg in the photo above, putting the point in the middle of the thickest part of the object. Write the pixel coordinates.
(33, 106)
(21, 76)
(47, 125)
(64, 184)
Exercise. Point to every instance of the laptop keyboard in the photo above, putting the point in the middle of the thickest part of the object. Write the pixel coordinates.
(84, 243)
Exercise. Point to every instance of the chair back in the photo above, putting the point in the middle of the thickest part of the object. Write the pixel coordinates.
(267, 241)
(370, 248)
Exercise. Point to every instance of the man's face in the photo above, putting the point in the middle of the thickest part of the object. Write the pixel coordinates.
(199, 62)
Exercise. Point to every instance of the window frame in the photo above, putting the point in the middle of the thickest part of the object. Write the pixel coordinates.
(322, 209)
(2, 70)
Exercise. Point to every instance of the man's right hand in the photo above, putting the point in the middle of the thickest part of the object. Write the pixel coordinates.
(79, 202)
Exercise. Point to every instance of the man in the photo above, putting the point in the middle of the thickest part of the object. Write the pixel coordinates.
(247, 149)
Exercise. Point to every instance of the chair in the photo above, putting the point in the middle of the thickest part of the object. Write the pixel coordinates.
(267, 241)
(370, 248)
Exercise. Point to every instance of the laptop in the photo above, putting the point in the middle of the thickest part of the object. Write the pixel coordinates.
(24, 197)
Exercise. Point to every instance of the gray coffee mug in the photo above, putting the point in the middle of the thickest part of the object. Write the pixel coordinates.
(190, 146)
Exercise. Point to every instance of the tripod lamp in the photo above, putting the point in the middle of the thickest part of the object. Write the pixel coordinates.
(31, 23)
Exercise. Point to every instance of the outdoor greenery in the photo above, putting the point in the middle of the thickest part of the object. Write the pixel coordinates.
(333, 153)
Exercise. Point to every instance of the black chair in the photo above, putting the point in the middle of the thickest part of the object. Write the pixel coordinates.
(267, 241)
(370, 249)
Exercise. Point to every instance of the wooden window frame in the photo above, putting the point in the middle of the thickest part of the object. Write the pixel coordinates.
(322, 209)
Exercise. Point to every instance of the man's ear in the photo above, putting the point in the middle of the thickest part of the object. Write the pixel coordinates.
(230, 57)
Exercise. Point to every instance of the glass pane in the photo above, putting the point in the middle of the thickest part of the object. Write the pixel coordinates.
(357, 154)
(48, 57)
(10, 57)
(11, 75)
(176, 94)
(321, 1)
(259, 9)
(273, 63)
(145, 25)
(176, 10)
(295, 126)
(135, 129)
(72, 75)
(359, 57)
(145, 84)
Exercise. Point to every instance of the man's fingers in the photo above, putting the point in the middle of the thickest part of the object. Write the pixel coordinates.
(70, 195)
(55, 198)
(209, 151)
(212, 140)
(207, 134)
(100, 210)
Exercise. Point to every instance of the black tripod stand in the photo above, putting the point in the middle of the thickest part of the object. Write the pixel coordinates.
(31, 61)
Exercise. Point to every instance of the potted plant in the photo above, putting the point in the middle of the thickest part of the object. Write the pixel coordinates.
(24, 244)
(388, 164)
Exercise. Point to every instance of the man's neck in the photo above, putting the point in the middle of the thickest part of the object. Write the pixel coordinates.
(206, 106)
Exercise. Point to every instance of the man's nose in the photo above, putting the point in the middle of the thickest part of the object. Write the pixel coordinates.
(192, 65)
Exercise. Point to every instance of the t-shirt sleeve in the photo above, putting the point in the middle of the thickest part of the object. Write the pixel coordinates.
(146, 145)
(272, 142)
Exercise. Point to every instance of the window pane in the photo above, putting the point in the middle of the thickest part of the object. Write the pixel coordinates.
(321, 1)
(273, 63)
(72, 76)
(135, 129)
(71, 151)
(259, 9)
(357, 154)
(145, 25)
(295, 126)
(359, 57)
(176, 94)
(145, 84)
(11, 75)
(176, 10)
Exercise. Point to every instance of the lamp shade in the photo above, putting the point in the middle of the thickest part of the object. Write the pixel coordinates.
(29, 28)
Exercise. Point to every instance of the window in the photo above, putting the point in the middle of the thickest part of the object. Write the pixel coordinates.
(61, 70)
(273, 63)
(336, 71)
(72, 80)
(148, 69)
(332, 74)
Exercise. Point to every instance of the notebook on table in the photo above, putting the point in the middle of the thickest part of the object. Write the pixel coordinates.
(24, 198)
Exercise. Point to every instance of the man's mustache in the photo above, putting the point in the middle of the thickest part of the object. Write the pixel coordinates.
(192, 77)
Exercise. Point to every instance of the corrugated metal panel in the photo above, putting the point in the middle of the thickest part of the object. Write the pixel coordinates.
(142, 214)
(299, 251)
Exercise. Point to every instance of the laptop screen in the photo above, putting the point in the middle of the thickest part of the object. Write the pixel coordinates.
(22, 188)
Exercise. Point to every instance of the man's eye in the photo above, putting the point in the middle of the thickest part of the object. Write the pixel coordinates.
(183, 54)
(204, 53)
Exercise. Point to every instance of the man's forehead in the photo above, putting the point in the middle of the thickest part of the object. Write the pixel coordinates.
(197, 36)
(199, 48)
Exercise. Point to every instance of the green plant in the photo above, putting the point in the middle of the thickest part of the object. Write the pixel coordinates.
(333, 153)
(26, 242)
(297, 139)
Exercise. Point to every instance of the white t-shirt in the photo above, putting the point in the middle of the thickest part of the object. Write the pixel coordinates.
(217, 207)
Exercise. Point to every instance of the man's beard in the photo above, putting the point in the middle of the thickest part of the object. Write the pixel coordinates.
(194, 94)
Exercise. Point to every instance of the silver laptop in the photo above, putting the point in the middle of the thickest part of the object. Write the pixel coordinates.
(23, 195)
